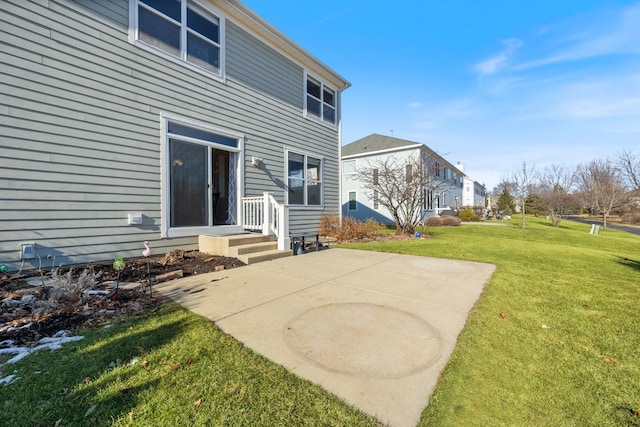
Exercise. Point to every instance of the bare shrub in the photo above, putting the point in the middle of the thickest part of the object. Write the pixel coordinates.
(64, 286)
(329, 225)
(434, 221)
(451, 221)
(631, 218)
(350, 229)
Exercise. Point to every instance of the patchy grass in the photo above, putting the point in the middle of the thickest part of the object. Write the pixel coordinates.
(167, 368)
(555, 337)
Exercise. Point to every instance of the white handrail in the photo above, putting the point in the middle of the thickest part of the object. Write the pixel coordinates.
(252, 213)
(267, 215)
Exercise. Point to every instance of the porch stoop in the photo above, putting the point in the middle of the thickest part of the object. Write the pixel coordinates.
(248, 248)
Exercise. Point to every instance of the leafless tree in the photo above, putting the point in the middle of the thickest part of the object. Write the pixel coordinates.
(601, 185)
(400, 186)
(555, 191)
(522, 179)
(629, 165)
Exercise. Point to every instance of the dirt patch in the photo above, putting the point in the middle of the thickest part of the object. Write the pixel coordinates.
(39, 304)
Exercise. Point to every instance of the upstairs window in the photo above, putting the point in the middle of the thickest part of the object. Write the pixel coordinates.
(349, 167)
(320, 101)
(181, 29)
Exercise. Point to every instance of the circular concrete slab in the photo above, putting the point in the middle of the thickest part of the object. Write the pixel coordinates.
(364, 340)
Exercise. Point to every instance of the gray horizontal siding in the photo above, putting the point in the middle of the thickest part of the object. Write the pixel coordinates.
(80, 133)
(261, 68)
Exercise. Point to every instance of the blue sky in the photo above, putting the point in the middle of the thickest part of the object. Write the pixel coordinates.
(489, 84)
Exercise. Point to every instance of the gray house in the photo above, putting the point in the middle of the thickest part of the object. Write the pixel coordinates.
(130, 120)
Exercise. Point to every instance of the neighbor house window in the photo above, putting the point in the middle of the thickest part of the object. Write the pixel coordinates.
(304, 175)
(349, 167)
(183, 29)
(352, 201)
(376, 200)
(375, 176)
(320, 101)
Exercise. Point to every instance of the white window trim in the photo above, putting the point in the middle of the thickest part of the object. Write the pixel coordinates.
(355, 167)
(313, 117)
(286, 179)
(133, 39)
(166, 231)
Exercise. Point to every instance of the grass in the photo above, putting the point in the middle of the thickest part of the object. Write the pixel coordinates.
(168, 368)
(554, 339)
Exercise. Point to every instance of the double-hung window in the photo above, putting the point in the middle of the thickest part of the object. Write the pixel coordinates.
(320, 101)
(182, 29)
(304, 176)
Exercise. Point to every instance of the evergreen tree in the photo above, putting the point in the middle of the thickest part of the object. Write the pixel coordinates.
(506, 203)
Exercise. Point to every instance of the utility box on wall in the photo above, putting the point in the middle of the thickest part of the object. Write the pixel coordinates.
(135, 218)
(28, 250)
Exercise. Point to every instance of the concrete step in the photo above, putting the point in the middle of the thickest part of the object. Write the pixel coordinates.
(246, 239)
(255, 257)
(235, 251)
(220, 245)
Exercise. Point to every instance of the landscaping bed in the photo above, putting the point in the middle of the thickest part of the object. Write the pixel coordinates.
(38, 304)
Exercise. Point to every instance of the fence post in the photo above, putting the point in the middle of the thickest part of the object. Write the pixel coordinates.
(284, 241)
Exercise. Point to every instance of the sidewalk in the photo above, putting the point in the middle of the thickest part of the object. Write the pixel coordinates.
(374, 328)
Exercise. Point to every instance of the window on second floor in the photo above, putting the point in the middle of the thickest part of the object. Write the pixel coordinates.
(320, 101)
(348, 167)
(182, 29)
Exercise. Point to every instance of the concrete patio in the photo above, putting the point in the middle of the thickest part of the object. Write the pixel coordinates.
(376, 329)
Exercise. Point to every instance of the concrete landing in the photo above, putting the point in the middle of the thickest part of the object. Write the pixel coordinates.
(376, 329)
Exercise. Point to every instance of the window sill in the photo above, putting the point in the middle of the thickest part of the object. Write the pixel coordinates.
(315, 119)
(305, 208)
(159, 52)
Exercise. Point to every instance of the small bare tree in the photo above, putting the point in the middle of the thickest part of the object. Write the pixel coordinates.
(629, 165)
(556, 184)
(601, 186)
(523, 178)
(400, 186)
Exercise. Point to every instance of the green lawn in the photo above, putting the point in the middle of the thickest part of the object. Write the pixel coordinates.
(554, 339)
(169, 368)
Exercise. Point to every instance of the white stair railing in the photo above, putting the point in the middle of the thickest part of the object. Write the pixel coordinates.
(252, 213)
(267, 215)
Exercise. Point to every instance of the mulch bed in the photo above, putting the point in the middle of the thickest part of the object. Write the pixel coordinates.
(29, 312)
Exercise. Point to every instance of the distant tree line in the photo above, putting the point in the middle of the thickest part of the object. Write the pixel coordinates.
(599, 188)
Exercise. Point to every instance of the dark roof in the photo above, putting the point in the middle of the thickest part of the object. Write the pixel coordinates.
(375, 142)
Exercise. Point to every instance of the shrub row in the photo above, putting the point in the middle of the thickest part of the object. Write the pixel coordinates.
(350, 229)
(439, 221)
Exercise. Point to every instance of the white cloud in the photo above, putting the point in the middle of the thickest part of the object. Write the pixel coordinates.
(499, 61)
(593, 37)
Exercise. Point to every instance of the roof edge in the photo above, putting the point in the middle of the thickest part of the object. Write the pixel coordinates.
(283, 42)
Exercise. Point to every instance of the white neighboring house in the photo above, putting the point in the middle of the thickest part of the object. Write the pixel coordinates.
(358, 202)
(472, 191)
